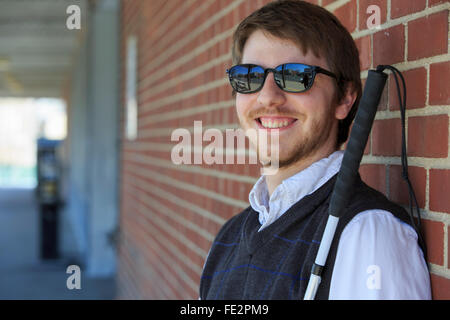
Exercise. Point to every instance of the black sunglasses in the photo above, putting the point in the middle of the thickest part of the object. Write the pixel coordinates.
(289, 77)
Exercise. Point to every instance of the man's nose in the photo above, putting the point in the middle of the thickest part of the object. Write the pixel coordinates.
(270, 94)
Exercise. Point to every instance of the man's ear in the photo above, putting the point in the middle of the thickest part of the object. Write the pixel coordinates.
(343, 107)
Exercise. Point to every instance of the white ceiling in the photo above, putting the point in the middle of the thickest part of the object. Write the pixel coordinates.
(37, 49)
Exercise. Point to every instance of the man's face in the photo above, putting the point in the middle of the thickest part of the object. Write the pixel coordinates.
(308, 120)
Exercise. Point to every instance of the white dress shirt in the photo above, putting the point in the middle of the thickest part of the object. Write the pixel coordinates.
(378, 256)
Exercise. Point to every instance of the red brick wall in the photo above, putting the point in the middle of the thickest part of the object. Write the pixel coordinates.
(170, 214)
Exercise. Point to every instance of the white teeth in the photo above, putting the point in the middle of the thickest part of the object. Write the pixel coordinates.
(275, 124)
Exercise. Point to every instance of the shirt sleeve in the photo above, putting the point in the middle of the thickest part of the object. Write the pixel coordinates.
(378, 257)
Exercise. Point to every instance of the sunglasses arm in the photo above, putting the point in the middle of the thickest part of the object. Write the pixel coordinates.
(326, 72)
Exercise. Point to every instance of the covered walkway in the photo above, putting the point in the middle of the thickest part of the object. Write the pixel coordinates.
(23, 275)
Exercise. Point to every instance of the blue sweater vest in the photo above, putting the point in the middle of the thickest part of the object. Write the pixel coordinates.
(276, 262)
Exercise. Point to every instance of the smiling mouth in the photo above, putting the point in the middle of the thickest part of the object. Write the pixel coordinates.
(275, 122)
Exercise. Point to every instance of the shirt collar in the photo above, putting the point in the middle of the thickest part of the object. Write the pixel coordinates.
(292, 189)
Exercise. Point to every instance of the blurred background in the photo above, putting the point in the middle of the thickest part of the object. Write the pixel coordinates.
(90, 93)
(52, 215)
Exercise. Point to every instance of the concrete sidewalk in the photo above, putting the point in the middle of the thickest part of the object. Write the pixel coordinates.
(23, 275)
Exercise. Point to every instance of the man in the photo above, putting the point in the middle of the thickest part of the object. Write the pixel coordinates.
(297, 74)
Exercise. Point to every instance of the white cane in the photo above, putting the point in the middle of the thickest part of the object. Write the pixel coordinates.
(348, 172)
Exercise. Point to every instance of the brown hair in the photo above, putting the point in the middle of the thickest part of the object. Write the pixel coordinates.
(311, 28)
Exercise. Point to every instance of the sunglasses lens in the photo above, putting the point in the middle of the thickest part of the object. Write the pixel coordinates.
(246, 78)
(294, 77)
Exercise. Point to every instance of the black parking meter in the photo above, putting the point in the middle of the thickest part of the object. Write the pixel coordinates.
(48, 176)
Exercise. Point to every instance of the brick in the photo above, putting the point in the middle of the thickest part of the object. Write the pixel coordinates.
(389, 46)
(347, 15)
(436, 2)
(433, 232)
(398, 188)
(254, 5)
(327, 2)
(365, 52)
(440, 287)
(428, 136)
(386, 137)
(310, 1)
(400, 8)
(428, 36)
(364, 16)
(439, 84)
(439, 190)
(416, 87)
(374, 175)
